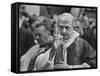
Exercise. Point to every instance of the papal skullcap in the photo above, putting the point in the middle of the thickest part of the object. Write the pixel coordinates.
(65, 17)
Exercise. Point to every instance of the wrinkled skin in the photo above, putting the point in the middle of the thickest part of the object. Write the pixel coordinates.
(65, 28)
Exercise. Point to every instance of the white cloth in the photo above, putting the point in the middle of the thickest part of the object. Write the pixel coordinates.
(42, 61)
(25, 59)
(68, 43)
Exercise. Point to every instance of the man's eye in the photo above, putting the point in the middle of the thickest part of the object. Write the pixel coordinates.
(37, 35)
(61, 27)
(67, 27)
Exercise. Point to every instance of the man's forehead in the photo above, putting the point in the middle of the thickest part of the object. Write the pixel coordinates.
(64, 22)
(40, 28)
(65, 18)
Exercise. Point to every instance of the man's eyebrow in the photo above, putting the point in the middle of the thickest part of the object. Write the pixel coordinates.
(60, 24)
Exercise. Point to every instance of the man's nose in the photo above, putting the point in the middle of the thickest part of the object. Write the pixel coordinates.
(64, 30)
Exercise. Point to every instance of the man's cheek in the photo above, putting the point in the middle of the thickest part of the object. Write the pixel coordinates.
(44, 39)
(67, 35)
(69, 32)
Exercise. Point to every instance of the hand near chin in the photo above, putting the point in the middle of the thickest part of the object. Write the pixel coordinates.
(57, 42)
(68, 42)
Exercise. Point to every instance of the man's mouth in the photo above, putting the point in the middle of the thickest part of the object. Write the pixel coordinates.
(65, 36)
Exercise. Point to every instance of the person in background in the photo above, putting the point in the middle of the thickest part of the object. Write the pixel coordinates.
(43, 42)
(89, 32)
(26, 39)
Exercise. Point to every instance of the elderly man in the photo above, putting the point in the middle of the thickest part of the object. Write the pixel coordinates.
(72, 51)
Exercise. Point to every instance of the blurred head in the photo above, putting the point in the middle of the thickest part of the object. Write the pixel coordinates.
(21, 8)
(65, 23)
(42, 35)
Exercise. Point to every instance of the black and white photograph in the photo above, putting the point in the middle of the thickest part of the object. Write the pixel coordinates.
(54, 37)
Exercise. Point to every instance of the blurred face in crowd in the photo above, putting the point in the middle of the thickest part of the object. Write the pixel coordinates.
(65, 26)
(42, 35)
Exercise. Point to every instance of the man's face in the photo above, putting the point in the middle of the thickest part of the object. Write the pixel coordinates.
(65, 27)
(42, 35)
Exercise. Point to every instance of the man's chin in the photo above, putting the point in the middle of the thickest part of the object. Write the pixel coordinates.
(65, 38)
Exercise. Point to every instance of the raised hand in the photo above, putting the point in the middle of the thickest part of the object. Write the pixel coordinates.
(58, 41)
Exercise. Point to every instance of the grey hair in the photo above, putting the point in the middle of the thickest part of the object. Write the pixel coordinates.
(67, 15)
